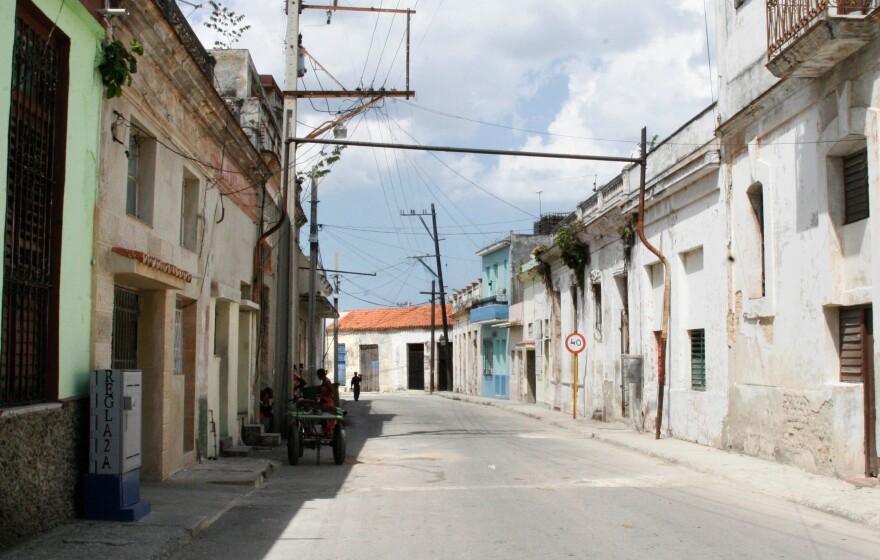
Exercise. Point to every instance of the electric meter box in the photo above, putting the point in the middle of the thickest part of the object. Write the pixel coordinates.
(113, 486)
(115, 422)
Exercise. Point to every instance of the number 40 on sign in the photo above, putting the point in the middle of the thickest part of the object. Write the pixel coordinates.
(575, 343)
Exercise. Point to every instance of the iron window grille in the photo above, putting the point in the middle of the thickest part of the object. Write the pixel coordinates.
(34, 195)
(178, 339)
(698, 359)
(126, 309)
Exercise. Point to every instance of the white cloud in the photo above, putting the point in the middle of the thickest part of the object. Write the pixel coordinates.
(579, 70)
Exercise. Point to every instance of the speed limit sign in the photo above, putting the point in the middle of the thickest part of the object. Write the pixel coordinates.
(575, 343)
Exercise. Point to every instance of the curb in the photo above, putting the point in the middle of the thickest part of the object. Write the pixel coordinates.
(189, 534)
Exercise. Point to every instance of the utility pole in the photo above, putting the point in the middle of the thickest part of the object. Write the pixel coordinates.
(336, 320)
(445, 341)
(286, 303)
(433, 293)
(311, 327)
(439, 274)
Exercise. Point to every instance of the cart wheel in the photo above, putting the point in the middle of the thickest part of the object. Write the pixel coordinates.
(339, 445)
(294, 444)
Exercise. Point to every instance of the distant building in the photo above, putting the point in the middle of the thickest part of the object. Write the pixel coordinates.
(391, 347)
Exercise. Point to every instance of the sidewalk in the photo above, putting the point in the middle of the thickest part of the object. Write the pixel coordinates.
(182, 507)
(831, 495)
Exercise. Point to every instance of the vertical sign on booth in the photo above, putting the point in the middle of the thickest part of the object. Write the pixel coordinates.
(106, 422)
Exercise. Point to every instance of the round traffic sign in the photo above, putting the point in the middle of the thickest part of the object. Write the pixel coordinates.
(575, 343)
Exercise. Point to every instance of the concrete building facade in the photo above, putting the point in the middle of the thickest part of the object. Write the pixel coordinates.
(50, 100)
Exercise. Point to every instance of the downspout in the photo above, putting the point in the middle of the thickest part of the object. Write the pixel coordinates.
(258, 262)
(664, 325)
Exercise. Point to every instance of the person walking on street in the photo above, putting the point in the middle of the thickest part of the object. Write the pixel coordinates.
(356, 386)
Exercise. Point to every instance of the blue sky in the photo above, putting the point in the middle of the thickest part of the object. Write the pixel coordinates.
(562, 76)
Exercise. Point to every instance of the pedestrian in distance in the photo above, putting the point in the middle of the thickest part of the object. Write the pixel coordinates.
(356, 386)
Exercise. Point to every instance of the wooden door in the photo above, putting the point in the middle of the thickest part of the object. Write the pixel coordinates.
(369, 368)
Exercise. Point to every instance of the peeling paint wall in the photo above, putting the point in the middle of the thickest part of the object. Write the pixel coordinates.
(788, 402)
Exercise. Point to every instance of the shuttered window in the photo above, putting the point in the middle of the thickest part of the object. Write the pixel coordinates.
(855, 185)
(698, 359)
(855, 324)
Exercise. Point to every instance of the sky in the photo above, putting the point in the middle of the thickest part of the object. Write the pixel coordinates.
(562, 76)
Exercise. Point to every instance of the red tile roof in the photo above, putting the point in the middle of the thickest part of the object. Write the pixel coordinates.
(393, 318)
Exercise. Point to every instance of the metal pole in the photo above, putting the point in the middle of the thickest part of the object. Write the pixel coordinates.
(313, 273)
(433, 328)
(450, 149)
(664, 325)
(336, 333)
(446, 373)
(574, 409)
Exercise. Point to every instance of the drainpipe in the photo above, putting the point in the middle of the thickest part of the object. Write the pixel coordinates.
(664, 325)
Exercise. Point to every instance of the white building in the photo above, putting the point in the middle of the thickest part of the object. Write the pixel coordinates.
(391, 348)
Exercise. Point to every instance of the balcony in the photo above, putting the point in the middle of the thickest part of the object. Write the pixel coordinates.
(806, 38)
(491, 309)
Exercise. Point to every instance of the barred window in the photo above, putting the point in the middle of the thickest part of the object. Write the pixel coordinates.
(698, 359)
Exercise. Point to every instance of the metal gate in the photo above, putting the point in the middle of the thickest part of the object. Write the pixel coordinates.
(34, 192)
(370, 368)
(126, 308)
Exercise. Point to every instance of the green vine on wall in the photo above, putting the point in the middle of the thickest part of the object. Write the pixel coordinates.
(118, 64)
(543, 266)
(573, 252)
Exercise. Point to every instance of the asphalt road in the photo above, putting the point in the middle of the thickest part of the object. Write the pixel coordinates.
(427, 477)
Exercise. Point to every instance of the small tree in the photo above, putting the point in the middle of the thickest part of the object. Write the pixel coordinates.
(572, 251)
(227, 23)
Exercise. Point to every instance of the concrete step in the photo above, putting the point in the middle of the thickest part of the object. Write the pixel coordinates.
(270, 440)
(227, 449)
(235, 451)
(251, 434)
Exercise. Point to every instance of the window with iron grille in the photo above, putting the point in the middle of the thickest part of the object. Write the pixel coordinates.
(123, 348)
(141, 154)
(34, 195)
(856, 329)
(488, 349)
(855, 187)
(698, 359)
(178, 339)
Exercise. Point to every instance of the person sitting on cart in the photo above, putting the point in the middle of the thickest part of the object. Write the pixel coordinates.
(325, 397)
(325, 391)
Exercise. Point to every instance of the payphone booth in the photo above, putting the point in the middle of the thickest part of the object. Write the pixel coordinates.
(113, 486)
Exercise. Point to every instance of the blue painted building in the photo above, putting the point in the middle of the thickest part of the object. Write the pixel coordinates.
(491, 311)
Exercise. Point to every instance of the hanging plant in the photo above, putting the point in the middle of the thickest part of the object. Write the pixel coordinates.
(118, 65)
(573, 252)
(543, 267)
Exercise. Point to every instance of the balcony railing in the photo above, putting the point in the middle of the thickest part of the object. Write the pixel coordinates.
(787, 20)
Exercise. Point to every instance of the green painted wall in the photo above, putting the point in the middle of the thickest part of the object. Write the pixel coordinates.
(83, 130)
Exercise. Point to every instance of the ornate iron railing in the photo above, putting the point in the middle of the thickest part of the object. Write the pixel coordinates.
(787, 20)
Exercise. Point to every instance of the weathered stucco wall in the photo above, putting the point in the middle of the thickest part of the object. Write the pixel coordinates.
(787, 401)
(43, 460)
